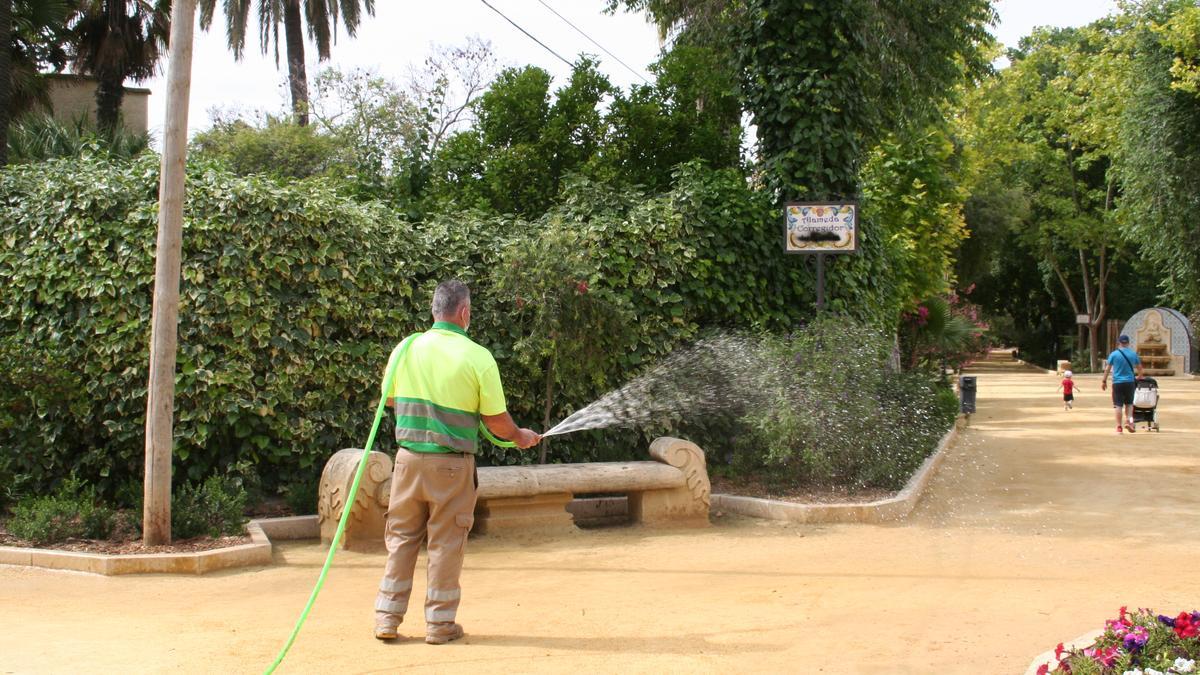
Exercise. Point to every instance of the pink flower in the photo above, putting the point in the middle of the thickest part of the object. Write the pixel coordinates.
(1105, 657)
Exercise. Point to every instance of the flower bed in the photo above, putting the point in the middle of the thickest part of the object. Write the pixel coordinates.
(1137, 643)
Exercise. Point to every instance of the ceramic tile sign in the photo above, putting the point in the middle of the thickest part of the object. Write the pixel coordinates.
(821, 228)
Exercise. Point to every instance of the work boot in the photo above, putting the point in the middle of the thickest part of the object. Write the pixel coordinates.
(386, 625)
(441, 633)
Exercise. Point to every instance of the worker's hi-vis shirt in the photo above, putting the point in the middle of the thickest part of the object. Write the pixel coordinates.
(444, 384)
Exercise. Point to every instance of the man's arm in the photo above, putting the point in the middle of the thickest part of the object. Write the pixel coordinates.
(1104, 379)
(503, 427)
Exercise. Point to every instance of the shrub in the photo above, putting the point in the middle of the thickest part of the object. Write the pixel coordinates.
(278, 148)
(37, 384)
(835, 413)
(214, 508)
(943, 332)
(946, 403)
(291, 298)
(73, 512)
(301, 495)
(36, 138)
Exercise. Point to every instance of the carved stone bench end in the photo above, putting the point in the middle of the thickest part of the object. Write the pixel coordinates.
(364, 531)
(687, 505)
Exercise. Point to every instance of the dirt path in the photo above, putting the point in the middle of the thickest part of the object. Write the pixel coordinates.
(1039, 525)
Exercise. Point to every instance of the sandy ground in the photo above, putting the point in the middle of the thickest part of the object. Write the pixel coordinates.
(1039, 525)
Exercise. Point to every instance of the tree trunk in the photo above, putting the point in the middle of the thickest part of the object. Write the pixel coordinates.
(1062, 278)
(160, 398)
(294, 31)
(548, 409)
(1100, 311)
(110, 92)
(1089, 306)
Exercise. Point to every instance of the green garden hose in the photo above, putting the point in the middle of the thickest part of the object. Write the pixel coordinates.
(388, 377)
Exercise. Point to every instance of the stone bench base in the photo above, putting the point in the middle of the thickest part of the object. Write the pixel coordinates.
(541, 513)
(600, 511)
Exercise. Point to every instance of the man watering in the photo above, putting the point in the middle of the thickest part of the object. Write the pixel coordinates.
(444, 385)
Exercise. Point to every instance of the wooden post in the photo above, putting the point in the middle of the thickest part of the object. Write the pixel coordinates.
(160, 397)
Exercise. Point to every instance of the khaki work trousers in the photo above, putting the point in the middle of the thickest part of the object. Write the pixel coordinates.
(433, 495)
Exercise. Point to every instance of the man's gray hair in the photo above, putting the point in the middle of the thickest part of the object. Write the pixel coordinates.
(449, 297)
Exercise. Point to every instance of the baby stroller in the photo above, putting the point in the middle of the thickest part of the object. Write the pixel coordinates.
(1145, 403)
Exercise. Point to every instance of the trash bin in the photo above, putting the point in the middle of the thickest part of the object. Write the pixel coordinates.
(966, 394)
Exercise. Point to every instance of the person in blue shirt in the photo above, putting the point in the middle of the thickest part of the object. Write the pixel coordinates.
(1122, 363)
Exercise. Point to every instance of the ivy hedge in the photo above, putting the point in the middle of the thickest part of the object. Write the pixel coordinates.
(293, 295)
(289, 298)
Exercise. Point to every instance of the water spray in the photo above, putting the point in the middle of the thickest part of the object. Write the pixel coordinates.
(718, 375)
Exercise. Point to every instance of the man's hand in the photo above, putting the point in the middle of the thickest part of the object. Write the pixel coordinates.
(1103, 385)
(526, 438)
(502, 425)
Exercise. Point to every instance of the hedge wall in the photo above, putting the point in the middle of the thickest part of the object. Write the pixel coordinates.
(292, 297)
(289, 301)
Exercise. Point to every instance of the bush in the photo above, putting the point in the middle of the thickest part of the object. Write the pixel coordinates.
(835, 413)
(37, 138)
(71, 513)
(946, 402)
(943, 332)
(36, 385)
(279, 148)
(214, 508)
(301, 495)
(291, 298)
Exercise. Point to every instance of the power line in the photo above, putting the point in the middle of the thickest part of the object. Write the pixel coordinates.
(580, 31)
(514, 23)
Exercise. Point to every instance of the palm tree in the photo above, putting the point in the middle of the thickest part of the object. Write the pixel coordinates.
(6, 11)
(31, 33)
(321, 16)
(115, 40)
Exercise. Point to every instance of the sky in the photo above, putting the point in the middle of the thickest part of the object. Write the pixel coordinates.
(403, 32)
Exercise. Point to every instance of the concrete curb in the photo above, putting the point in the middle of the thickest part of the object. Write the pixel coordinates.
(880, 511)
(257, 552)
(1047, 657)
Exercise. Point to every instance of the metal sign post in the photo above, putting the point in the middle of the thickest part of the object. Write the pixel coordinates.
(820, 228)
(820, 282)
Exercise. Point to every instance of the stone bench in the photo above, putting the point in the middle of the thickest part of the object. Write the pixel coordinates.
(672, 490)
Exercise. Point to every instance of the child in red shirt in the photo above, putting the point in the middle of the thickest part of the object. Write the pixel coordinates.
(1068, 389)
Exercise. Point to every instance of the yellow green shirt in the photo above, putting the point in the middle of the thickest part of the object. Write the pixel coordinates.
(444, 384)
